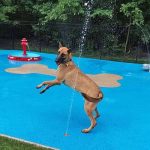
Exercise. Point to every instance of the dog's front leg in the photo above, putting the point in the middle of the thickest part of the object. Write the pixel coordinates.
(43, 84)
(49, 84)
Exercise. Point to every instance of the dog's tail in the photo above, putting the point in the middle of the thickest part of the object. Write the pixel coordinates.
(100, 95)
(93, 99)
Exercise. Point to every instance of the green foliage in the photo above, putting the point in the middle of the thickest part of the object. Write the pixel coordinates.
(60, 10)
(105, 14)
(102, 13)
(133, 11)
(138, 11)
(14, 11)
(145, 36)
(46, 10)
(6, 8)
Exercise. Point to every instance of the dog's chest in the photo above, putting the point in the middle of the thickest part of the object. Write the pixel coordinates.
(70, 76)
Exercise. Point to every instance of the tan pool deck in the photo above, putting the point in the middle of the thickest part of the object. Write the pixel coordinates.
(102, 80)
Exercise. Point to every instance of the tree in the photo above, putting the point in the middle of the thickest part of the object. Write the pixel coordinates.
(105, 14)
(134, 10)
(6, 8)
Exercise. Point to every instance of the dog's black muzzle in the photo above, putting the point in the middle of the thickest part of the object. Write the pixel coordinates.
(60, 60)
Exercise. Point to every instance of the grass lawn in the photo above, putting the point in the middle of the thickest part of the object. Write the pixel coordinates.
(12, 144)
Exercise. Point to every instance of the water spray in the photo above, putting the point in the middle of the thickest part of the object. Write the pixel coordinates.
(89, 6)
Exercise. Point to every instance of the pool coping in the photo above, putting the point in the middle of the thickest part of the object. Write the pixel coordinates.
(28, 142)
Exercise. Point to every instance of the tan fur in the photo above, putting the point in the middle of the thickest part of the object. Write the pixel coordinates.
(70, 75)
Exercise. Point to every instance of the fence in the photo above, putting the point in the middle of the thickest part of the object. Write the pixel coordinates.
(102, 42)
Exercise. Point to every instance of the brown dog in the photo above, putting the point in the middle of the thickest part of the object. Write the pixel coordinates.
(70, 75)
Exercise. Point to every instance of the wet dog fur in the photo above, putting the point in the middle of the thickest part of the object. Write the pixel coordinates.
(70, 75)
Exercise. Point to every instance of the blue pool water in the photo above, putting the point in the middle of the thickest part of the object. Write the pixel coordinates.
(125, 111)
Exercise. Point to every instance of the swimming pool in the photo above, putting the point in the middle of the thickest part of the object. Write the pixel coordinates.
(125, 110)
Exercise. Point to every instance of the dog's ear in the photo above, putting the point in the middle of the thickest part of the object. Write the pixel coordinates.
(69, 50)
(61, 44)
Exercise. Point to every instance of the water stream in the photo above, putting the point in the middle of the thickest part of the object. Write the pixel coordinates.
(88, 8)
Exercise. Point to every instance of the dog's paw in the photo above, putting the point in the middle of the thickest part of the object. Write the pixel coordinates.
(42, 91)
(85, 131)
(97, 116)
(38, 86)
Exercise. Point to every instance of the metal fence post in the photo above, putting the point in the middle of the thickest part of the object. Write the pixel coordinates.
(12, 36)
(39, 36)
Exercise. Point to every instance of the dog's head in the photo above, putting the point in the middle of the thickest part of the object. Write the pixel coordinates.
(64, 55)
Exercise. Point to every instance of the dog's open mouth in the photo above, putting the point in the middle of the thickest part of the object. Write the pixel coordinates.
(58, 63)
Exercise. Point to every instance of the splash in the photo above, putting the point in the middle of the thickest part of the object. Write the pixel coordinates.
(88, 9)
(89, 6)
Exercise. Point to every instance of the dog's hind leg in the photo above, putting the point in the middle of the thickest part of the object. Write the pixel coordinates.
(89, 108)
(97, 113)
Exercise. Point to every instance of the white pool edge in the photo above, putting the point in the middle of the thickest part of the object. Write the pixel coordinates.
(28, 142)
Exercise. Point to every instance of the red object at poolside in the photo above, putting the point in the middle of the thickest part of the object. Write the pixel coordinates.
(24, 44)
(17, 58)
